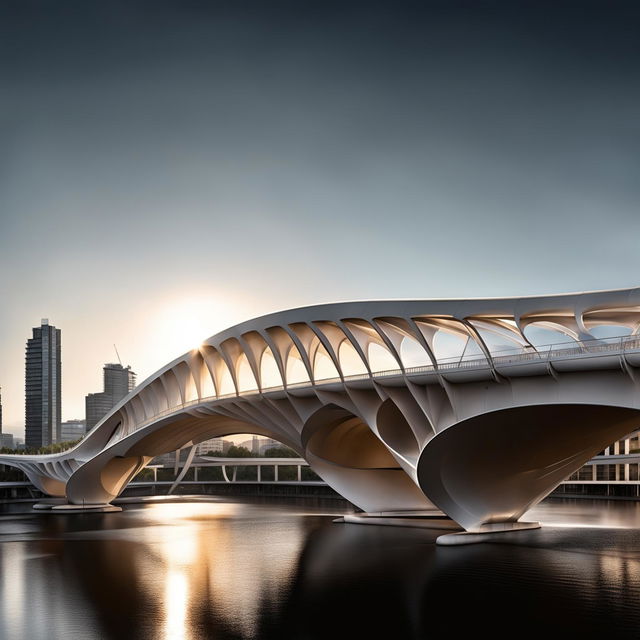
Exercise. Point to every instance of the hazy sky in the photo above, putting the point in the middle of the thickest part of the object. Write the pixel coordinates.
(168, 169)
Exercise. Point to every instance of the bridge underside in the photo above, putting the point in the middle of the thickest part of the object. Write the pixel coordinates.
(494, 467)
(490, 468)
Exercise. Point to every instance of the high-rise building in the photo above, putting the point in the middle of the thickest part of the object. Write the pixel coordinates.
(43, 386)
(118, 382)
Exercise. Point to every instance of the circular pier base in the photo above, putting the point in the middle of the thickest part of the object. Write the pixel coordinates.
(64, 507)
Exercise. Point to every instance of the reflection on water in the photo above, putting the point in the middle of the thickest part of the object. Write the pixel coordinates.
(610, 514)
(222, 569)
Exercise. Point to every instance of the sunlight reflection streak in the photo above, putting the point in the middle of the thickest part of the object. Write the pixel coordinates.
(176, 600)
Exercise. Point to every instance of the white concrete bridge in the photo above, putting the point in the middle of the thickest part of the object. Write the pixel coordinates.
(478, 408)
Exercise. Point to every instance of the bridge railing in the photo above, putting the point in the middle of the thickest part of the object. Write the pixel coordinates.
(522, 355)
(540, 353)
(229, 468)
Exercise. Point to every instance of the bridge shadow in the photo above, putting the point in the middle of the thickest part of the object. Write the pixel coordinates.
(372, 582)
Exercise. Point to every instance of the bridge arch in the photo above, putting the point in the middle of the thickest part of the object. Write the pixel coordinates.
(102, 478)
(342, 449)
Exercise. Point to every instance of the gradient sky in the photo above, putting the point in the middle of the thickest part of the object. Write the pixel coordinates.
(168, 169)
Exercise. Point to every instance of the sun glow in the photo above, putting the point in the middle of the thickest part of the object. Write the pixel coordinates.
(182, 323)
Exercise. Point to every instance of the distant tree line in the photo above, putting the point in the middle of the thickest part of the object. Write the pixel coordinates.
(58, 447)
(235, 451)
(277, 451)
(11, 474)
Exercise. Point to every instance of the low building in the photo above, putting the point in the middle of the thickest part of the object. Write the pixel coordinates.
(268, 443)
(96, 406)
(72, 430)
(614, 472)
(208, 447)
(6, 440)
(259, 444)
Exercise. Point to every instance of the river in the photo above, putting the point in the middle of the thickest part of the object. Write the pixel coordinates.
(222, 568)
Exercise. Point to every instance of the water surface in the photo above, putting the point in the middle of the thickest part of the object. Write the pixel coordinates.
(218, 568)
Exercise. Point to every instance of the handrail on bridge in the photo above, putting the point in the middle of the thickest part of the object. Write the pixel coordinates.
(234, 463)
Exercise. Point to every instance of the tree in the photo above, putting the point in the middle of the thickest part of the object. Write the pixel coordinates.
(238, 452)
(57, 447)
(280, 451)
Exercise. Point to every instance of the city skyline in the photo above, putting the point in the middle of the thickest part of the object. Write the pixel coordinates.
(165, 179)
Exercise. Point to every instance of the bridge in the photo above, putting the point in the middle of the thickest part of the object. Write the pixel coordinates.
(474, 408)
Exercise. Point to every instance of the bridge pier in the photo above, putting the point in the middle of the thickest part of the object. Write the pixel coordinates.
(438, 520)
(416, 520)
(485, 533)
(61, 506)
(487, 471)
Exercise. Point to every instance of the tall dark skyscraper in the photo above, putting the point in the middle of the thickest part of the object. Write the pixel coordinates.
(118, 381)
(43, 386)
